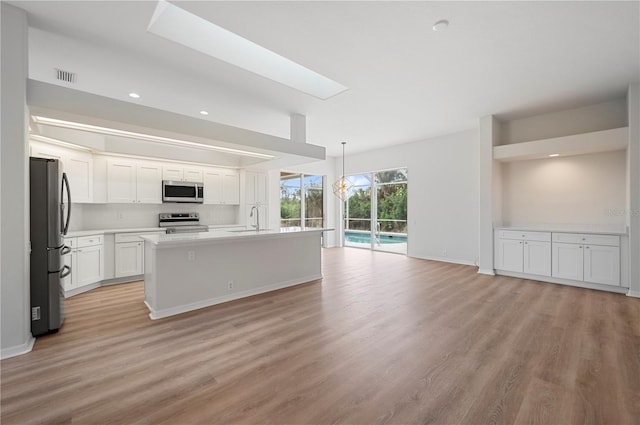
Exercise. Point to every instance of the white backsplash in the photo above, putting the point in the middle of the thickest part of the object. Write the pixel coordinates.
(116, 216)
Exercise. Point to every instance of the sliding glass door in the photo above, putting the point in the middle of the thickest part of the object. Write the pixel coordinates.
(376, 211)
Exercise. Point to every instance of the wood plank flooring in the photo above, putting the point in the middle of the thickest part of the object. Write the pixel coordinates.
(381, 339)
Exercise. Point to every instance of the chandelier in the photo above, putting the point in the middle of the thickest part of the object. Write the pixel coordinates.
(342, 185)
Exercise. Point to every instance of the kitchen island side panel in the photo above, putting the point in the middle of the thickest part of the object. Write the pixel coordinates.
(188, 277)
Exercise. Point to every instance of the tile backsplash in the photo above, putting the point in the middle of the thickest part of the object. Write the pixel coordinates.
(115, 216)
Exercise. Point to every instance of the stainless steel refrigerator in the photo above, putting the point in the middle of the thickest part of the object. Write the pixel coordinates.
(50, 211)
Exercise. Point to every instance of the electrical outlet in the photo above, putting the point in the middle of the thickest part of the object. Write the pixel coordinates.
(120, 216)
(191, 255)
(444, 251)
(230, 285)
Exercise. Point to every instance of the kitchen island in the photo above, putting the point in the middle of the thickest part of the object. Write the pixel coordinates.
(185, 272)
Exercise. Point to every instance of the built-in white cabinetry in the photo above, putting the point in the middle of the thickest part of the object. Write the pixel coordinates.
(77, 164)
(180, 173)
(256, 195)
(129, 254)
(86, 261)
(256, 188)
(133, 182)
(587, 257)
(524, 252)
(221, 186)
(560, 257)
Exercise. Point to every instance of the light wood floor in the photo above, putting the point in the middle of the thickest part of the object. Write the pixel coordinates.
(382, 339)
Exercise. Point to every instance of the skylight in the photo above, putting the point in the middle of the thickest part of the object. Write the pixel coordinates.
(178, 25)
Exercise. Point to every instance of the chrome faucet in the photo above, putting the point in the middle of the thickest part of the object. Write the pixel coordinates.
(257, 225)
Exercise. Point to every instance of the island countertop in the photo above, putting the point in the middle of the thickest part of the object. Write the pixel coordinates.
(205, 238)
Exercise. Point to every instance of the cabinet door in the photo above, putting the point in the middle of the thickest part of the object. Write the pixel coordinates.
(192, 175)
(602, 264)
(148, 184)
(261, 189)
(250, 187)
(79, 169)
(213, 186)
(128, 259)
(537, 258)
(567, 261)
(89, 265)
(121, 182)
(231, 188)
(173, 173)
(510, 254)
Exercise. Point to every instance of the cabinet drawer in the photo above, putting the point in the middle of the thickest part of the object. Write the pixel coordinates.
(84, 241)
(525, 236)
(587, 239)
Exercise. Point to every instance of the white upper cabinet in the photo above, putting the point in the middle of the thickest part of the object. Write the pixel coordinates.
(256, 188)
(221, 186)
(77, 164)
(148, 183)
(133, 182)
(179, 173)
(121, 182)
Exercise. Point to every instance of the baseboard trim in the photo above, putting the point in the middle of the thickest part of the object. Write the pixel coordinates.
(634, 294)
(446, 260)
(489, 272)
(18, 350)
(82, 289)
(578, 284)
(161, 314)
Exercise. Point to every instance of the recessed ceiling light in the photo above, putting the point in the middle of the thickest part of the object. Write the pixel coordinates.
(554, 155)
(204, 113)
(441, 25)
(134, 95)
(180, 26)
(146, 137)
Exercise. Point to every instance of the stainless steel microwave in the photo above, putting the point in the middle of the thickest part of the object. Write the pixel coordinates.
(192, 192)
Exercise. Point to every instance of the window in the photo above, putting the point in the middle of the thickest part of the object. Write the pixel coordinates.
(301, 200)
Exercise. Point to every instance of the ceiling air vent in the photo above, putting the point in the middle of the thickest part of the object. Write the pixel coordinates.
(66, 76)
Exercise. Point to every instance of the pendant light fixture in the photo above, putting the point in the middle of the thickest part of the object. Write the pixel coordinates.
(342, 185)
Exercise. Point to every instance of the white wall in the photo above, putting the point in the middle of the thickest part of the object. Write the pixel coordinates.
(601, 116)
(442, 193)
(14, 284)
(582, 189)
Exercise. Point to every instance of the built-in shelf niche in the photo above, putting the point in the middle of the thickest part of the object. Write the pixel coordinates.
(577, 144)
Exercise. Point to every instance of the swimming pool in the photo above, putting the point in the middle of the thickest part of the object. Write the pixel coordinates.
(357, 237)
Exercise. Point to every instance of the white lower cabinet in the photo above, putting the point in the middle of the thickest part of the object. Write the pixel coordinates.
(86, 261)
(524, 252)
(129, 253)
(129, 259)
(586, 257)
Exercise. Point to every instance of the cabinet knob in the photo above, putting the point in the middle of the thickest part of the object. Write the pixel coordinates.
(580, 246)
(587, 247)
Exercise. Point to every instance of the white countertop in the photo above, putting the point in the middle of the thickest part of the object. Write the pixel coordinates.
(77, 233)
(570, 228)
(183, 239)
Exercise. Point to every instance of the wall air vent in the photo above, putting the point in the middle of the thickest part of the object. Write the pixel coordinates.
(66, 76)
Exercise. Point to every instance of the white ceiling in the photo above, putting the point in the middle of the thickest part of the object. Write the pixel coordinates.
(406, 82)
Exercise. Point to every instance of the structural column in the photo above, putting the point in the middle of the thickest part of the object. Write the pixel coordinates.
(633, 170)
(14, 209)
(490, 200)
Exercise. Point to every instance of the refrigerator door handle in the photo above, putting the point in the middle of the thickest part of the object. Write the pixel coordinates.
(65, 184)
(64, 273)
(65, 250)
